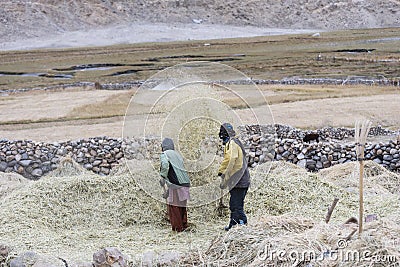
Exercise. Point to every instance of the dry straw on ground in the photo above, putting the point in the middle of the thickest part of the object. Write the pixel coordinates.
(378, 179)
(73, 216)
(307, 241)
(11, 181)
(304, 243)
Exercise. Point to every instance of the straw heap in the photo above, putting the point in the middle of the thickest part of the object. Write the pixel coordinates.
(75, 215)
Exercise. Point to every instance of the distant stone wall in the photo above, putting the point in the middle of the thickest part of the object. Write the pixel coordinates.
(285, 81)
(265, 143)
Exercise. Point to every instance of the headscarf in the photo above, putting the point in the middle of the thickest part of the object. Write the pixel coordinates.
(167, 144)
(226, 132)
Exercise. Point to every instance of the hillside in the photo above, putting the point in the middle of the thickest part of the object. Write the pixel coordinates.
(26, 19)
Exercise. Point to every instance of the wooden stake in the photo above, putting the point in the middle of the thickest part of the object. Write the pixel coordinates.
(330, 210)
(361, 200)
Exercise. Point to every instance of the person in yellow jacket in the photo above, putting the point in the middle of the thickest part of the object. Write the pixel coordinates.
(234, 174)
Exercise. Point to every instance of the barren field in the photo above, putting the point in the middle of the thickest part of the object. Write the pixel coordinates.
(61, 116)
(366, 54)
(73, 111)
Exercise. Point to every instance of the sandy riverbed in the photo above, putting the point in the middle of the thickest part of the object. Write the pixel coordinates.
(142, 33)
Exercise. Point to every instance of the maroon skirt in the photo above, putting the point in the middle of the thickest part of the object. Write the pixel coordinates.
(177, 213)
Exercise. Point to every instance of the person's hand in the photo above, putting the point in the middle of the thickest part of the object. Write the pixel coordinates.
(223, 183)
(162, 182)
(165, 194)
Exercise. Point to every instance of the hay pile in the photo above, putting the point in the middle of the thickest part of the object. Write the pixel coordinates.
(299, 242)
(378, 179)
(71, 216)
(68, 167)
(87, 211)
(303, 198)
(290, 189)
(240, 245)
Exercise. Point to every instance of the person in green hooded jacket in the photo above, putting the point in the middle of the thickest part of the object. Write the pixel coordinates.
(175, 176)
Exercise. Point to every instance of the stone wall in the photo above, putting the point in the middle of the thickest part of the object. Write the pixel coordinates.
(34, 159)
(336, 145)
(321, 155)
(101, 154)
(285, 81)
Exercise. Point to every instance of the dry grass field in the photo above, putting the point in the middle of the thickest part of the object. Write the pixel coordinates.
(78, 112)
(75, 114)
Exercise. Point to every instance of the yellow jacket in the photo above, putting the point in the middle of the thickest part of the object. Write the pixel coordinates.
(233, 159)
(234, 165)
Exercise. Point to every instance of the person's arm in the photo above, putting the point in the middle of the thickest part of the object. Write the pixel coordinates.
(230, 155)
(164, 168)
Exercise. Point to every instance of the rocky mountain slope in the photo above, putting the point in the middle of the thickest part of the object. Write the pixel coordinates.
(20, 19)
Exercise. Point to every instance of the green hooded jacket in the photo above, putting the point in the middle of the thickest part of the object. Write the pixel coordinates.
(172, 159)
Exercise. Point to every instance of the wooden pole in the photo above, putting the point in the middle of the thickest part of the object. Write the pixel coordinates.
(360, 134)
(361, 208)
(330, 210)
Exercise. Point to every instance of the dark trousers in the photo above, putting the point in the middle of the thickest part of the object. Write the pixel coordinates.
(236, 205)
